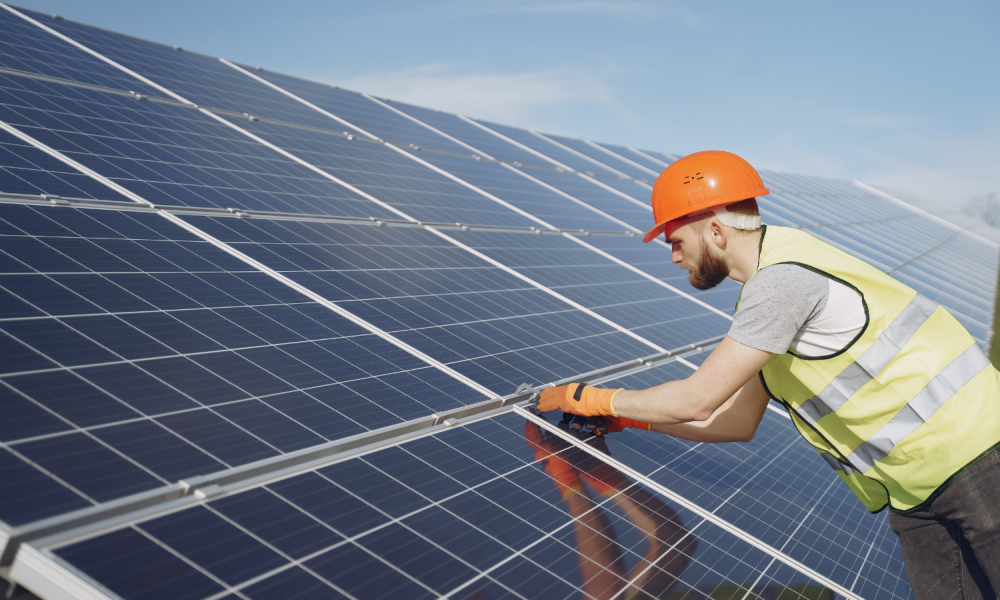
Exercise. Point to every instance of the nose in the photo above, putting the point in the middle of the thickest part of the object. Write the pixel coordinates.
(676, 256)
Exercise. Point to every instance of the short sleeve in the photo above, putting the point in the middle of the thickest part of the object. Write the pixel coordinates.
(775, 303)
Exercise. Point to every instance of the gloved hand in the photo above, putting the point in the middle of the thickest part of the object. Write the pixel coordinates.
(579, 399)
(602, 425)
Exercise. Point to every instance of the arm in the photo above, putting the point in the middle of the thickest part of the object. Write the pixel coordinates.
(734, 421)
(725, 372)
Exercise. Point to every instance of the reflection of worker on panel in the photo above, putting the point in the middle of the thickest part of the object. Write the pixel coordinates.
(602, 564)
(886, 384)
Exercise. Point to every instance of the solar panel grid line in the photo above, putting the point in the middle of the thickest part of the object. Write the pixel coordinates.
(468, 185)
(244, 257)
(78, 84)
(922, 254)
(586, 177)
(548, 290)
(708, 515)
(843, 526)
(507, 166)
(477, 154)
(108, 515)
(194, 565)
(368, 196)
(52, 200)
(653, 563)
(607, 167)
(931, 216)
(655, 280)
(331, 305)
(69, 161)
(297, 98)
(734, 557)
(647, 156)
(300, 562)
(548, 225)
(177, 103)
(212, 115)
(348, 539)
(256, 264)
(620, 157)
(506, 204)
(865, 560)
(866, 222)
(620, 176)
(791, 536)
(93, 53)
(54, 544)
(597, 506)
(363, 136)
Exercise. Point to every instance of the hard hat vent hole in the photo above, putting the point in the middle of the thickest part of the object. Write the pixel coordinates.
(689, 178)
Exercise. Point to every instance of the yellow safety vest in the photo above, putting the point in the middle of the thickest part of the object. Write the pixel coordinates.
(908, 405)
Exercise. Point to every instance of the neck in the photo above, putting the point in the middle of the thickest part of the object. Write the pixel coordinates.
(744, 256)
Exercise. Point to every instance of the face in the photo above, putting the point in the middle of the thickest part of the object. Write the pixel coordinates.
(691, 252)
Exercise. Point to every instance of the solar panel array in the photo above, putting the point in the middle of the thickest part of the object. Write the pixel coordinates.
(261, 338)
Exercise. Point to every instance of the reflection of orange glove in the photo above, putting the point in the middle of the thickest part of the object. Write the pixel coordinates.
(579, 399)
(547, 448)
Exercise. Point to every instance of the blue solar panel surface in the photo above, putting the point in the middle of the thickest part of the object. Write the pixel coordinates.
(473, 513)
(142, 347)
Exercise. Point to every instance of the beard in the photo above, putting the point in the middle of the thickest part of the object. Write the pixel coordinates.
(710, 270)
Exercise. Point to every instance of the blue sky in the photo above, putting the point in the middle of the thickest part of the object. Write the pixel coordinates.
(904, 95)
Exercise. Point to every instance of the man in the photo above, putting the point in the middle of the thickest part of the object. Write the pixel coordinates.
(891, 390)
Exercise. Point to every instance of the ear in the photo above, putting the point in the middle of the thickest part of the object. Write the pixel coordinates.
(716, 233)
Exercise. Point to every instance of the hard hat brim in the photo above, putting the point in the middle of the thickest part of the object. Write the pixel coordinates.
(652, 233)
(668, 227)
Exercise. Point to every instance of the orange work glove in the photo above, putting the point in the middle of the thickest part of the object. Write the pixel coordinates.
(579, 399)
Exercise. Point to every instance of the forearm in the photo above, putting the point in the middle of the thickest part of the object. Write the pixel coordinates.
(670, 403)
(734, 421)
(723, 374)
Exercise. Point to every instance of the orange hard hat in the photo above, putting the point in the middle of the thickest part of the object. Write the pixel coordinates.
(699, 182)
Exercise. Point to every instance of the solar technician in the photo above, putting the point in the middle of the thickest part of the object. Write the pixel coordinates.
(887, 385)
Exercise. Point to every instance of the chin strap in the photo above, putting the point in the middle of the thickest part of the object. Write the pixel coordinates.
(737, 221)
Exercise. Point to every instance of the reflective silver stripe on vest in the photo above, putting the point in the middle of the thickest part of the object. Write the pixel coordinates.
(918, 410)
(834, 462)
(871, 363)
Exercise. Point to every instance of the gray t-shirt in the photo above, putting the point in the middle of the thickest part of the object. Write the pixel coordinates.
(776, 303)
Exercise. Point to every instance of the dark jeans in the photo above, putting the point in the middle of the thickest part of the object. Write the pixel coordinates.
(952, 549)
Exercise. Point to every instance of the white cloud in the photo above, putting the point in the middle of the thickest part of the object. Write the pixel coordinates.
(515, 98)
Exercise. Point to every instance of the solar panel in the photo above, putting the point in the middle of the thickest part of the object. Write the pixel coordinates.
(262, 337)
(470, 513)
